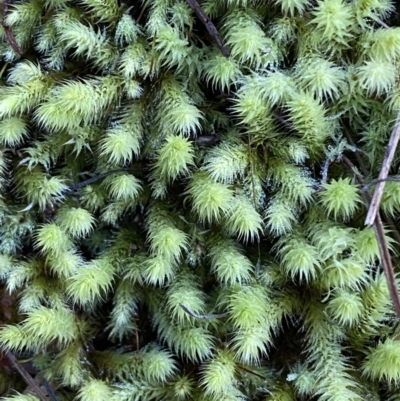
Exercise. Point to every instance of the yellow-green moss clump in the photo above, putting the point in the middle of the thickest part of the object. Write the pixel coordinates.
(179, 215)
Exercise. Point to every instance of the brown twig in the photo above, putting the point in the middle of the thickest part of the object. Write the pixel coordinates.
(212, 30)
(25, 375)
(386, 259)
(364, 171)
(241, 367)
(9, 33)
(98, 177)
(387, 264)
(142, 11)
(387, 218)
(387, 161)
(374, 182)
(3, 69)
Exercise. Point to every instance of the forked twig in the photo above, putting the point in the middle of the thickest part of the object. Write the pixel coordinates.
(197, 316)
(365, 172)
(386, 259)
(9, 33)
(212, 30)
(387, 161)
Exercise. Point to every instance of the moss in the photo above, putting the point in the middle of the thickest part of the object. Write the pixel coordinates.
(145, 165)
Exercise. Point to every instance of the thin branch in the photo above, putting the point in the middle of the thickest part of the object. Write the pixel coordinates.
(388, 219)
(3, 69)
(50, 390)
(387, 264)
(387, 161)
(142, 11)
(98, 177)
(25, 375)
(9, 33)
(241, 367)
(364, 171)
(212, 30)
(357, 152)
(372, 183)
(194, 314)
(384, 252)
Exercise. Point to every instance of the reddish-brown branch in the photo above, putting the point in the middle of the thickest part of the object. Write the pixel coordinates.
(384, 252)
(25, 375)
(9, 33)
(387, 161)
(212, 30)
